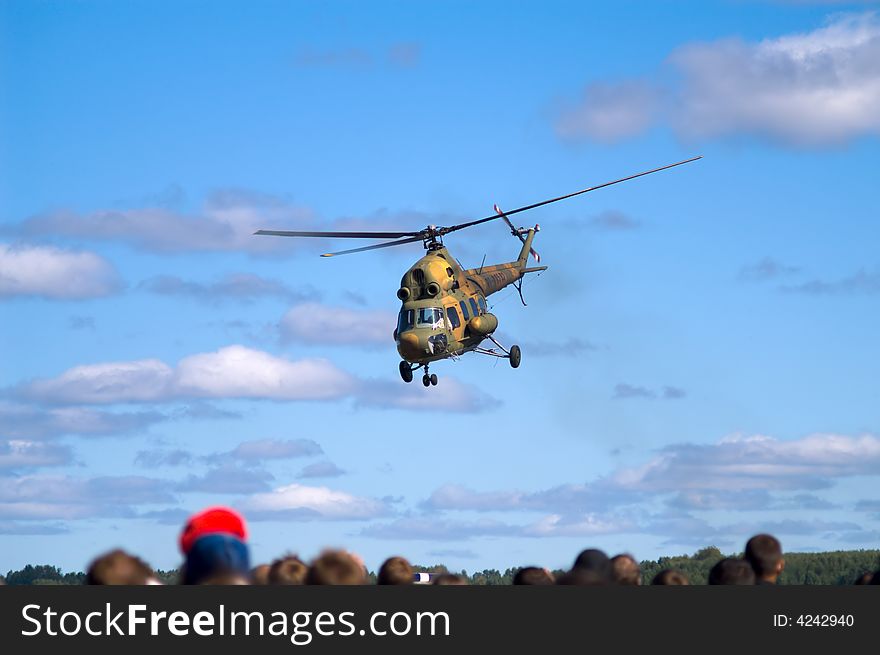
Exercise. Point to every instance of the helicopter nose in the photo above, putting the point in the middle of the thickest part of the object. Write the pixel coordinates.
(409, 346)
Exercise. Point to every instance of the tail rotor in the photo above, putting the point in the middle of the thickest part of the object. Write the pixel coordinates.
(519, 233)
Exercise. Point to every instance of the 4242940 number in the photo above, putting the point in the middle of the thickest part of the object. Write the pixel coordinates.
(814, 621)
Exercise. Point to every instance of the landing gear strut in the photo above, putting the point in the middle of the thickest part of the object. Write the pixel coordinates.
(429, 379)
(514, 355)
(406, 374)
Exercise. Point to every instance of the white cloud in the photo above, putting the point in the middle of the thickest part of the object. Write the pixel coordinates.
(14, 528)
(440, 530)
(243, 287)
(629, 391)
(317, 502)
(262, 449)
(709, 500)
(737, 472)
(231, 372)
(448, 395)
(609, 112)
(18, 453)
(861, 282)
(134, 381)
(239, 372)
(571, 347)
(454, 496)
(790, 527)
(227, 222)
(755, 462)
(432, 529)
(30, 422)
(815, 89)
(163, 458)
(45, 497)
(766, 269)
(228, 479)
(567, 499)
(585, 525)
(316, 323)
(323, 469)
(742, 474)
(52, 273)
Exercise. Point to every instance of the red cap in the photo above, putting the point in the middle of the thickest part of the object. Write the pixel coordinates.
(209, 521)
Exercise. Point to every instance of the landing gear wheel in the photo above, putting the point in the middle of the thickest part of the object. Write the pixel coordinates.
(426, 380)
(406, 372)
(515, 356)
(434, 379)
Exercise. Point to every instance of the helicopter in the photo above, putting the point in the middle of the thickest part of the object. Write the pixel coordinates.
(444, 313)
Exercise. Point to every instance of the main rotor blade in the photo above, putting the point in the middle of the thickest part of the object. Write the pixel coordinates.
(453, 228)
(338, 235)
(387, 244)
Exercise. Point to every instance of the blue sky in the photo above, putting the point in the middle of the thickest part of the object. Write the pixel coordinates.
(699, 361)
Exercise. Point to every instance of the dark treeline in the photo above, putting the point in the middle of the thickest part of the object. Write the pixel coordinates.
(828, 568)
(840, 567)
(46, 574)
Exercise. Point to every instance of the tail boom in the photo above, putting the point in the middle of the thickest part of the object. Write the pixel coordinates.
(491, 279)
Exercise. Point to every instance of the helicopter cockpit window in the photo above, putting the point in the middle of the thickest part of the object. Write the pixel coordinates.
(482, 302)
(431, 317)
(453, 317)
(474, 310)
(405, 320)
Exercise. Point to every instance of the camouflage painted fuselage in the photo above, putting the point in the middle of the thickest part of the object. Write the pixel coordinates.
(444, 309)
